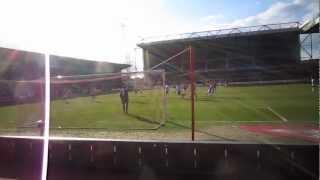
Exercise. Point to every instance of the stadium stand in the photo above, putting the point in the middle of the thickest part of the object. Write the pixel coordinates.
(81, 76)
(22, 76)
(257, 53)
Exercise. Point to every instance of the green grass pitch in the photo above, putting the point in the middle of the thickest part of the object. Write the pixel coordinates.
(250, 104)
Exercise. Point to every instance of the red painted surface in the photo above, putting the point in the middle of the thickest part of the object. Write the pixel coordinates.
(303, 132)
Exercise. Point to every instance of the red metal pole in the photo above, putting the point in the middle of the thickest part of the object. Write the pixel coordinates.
(192, 82)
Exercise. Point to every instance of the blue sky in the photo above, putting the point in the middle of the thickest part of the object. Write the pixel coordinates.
(231, 9)
(109, 30)
(230, 13)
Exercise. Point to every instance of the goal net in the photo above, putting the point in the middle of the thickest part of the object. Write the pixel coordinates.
(114, 101)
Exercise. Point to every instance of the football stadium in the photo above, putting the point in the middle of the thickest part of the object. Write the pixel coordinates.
(85, 94)
(230, 84)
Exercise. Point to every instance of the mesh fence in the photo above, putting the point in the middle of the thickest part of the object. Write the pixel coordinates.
(113, 101)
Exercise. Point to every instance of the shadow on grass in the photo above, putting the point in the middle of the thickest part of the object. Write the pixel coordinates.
(199, 131)
(139, 118)
(143, 119)
(138, 102)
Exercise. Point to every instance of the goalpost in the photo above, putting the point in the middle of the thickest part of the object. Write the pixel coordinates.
(189, 70)
(144, 98)
(146, 90)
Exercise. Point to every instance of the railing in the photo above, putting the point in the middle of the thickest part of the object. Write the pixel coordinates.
(220, 32)
(89, 159)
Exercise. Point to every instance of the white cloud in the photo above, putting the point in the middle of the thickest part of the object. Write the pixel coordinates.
(212, 18)
(282, 11)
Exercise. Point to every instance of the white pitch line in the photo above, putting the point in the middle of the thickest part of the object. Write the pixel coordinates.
(277, 114)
